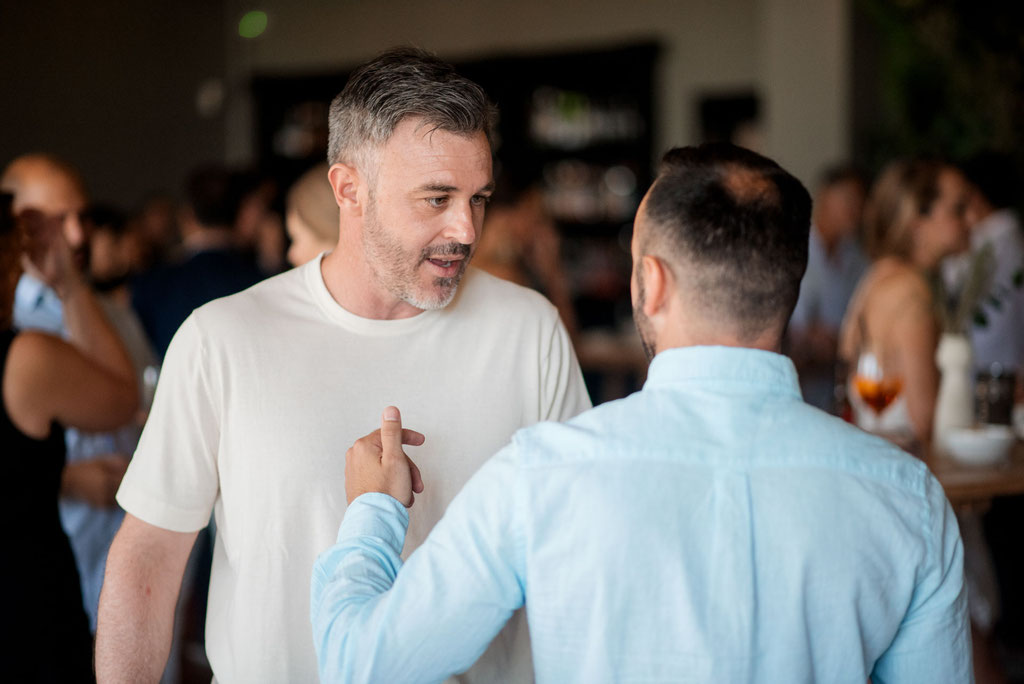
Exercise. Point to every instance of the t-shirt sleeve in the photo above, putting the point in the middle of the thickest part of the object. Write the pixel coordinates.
(172, 481)
(563, 393)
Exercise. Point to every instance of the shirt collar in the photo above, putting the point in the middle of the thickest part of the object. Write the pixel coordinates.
(725, 368)
(32, 292)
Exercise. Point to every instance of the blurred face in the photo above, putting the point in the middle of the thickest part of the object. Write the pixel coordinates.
(305, 245)
(978, 208)
(943, 230)
(424, 212)
(58, 198)
(105, 262)
(839, 208)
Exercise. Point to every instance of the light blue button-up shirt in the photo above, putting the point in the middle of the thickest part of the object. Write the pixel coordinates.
(710, 528)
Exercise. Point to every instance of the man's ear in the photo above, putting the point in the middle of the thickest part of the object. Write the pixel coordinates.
(658, 285)
(345, 182)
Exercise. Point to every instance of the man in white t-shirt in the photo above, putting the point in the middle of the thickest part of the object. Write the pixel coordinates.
(261, 392)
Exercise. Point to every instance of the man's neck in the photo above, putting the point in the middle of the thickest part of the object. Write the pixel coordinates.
(355, 288)
(688, 333)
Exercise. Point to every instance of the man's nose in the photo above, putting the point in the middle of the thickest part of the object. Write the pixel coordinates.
(462, 226)
(74, 231)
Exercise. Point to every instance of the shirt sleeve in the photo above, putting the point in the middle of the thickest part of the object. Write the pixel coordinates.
(375, 620)
(172, 480)
(563, 392)
(933, 643)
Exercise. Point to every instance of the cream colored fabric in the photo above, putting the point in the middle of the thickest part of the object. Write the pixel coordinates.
(261, 394)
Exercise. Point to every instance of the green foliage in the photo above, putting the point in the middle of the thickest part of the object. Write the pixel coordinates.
(951, 77)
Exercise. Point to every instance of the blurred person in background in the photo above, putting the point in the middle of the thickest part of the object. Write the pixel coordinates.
(259, 230)
(994, 191)
(520, 243)
(91, 521)
(835, 263)
(914, 218)
(311, 216)
(114, 257)
(209, 264)
(49, 384)
(155, 226)
(96, 461)
(998, 347)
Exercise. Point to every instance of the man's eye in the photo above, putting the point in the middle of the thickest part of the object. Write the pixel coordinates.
(437, 202)
(480, 200)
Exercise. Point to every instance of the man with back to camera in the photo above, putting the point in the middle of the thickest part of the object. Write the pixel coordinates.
(712, 527)
(258, 389)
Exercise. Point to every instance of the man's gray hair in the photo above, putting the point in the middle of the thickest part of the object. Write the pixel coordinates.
(400, 83)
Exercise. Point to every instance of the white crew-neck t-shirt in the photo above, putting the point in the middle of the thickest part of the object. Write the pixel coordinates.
(260, 395)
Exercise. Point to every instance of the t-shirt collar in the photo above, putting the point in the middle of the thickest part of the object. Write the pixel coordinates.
(350, 321)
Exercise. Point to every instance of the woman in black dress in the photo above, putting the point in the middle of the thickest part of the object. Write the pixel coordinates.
(49, 384)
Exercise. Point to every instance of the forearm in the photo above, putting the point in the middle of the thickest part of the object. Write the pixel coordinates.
(346, 579)
(90, 331)
(922, 387)
(377, 620)
(136, 612)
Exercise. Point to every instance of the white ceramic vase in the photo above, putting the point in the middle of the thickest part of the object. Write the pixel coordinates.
(954, 407)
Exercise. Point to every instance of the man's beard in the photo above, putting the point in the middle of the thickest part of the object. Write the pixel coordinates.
(397, 271)
(642, 322)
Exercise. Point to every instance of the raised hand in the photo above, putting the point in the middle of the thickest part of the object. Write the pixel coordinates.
(377, 463)
(48, 256)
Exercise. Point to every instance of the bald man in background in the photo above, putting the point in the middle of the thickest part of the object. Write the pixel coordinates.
(95, 462)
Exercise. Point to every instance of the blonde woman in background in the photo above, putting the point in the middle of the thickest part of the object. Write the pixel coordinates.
(312, 216)
(914, 218)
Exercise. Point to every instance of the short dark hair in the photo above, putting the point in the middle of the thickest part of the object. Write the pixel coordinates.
(397, 84)
(213, 196)
(106, 217)
(735, 225)
(843, 173)
(995, 176)
(10, 257)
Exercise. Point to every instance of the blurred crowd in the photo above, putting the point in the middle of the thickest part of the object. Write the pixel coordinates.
(110, 288)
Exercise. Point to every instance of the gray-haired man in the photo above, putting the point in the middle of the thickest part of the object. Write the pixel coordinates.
(261, 391)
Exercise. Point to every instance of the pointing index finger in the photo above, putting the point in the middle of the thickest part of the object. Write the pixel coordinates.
(391, 434)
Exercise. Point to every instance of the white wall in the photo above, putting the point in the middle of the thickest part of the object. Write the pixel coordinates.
(806, 76)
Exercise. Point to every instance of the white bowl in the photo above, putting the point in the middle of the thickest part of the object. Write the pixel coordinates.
(982, 445)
